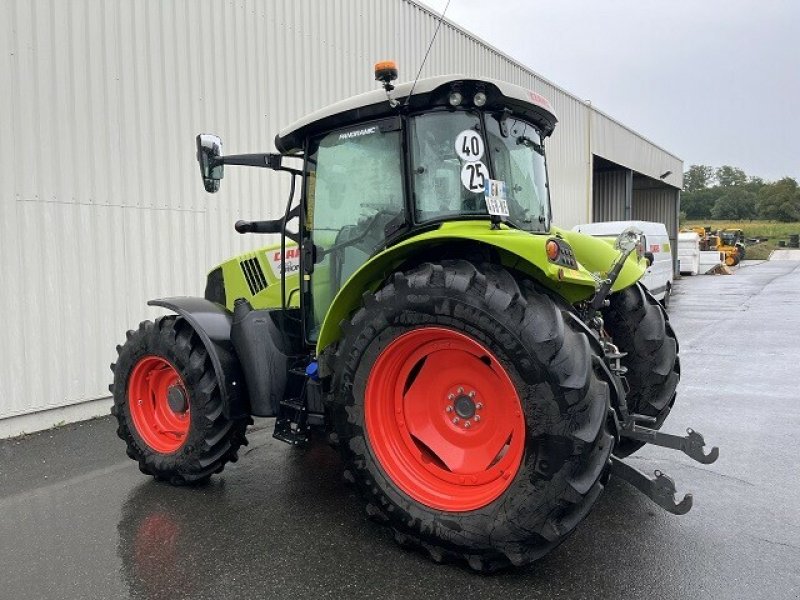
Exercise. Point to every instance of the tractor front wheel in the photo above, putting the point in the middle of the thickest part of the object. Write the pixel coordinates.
(470, 414)
(640, 327)
(168, 406)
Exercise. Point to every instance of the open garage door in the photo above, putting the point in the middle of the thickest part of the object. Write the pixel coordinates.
(653, 200)
(621, 194)
(612, 191)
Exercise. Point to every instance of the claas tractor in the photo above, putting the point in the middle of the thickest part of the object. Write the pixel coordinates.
(482, 372)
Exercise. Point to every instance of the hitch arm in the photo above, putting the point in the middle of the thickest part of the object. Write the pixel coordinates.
(660, 489)
(691, 444)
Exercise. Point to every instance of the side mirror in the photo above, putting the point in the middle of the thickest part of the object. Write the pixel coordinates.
(209, 149)
(628, 240)
(648, 256)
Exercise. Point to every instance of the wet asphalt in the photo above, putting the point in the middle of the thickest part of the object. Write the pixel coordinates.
(78, 520)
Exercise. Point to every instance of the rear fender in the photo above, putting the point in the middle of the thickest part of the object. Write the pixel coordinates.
(517, 250)
(212, 323)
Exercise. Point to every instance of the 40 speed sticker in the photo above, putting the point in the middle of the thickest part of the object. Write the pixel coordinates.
(474, 176)
(469, 145)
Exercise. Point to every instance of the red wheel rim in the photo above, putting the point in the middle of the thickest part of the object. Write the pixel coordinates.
(444, 419)
(162, 427)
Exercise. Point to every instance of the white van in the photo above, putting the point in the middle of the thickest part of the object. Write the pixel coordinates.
(659, 276)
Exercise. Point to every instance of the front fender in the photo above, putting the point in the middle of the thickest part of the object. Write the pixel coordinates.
(518, 250)
(212, 323)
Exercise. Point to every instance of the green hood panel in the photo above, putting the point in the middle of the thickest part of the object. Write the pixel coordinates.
(518, 250)
(256, 277)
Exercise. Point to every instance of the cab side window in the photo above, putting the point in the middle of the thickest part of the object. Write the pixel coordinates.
(354, 190)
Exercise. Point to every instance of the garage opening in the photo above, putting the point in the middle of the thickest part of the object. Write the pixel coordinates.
(622, 194)
(653, 200)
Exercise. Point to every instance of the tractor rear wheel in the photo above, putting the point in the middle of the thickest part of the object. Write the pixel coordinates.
(470, 415)
(639, 326)
(168, 405)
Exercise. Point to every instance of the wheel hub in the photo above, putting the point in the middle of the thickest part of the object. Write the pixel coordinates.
(176, 399)
(464, 407)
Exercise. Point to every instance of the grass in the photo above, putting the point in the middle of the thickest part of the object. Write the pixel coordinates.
(773, 230)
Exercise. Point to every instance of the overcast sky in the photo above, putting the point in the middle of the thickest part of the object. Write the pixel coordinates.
(713, 81)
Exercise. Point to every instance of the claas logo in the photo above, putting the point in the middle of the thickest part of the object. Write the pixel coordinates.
(291, 254)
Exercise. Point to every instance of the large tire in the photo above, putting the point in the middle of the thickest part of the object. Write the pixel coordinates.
(639, 326)
(179, 443)
(540, 362)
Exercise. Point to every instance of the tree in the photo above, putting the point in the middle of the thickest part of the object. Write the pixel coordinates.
(698, 204)
(780, 201)
(735, 204)
(698, 177)
(754, 185)
(728, 176)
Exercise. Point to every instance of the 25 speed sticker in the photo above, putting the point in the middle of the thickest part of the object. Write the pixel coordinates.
(474, 176)
(469, 145)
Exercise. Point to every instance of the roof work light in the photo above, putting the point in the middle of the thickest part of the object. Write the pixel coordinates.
(386, 72)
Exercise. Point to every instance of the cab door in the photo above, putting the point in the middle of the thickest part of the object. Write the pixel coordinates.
(354, 200)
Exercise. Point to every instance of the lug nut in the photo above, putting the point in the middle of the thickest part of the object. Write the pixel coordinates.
(477, 418)
(472, 394)
(449, 408)
(461, 390)
(479, 405)
(467, 424)
(451, 397)
(455, 420)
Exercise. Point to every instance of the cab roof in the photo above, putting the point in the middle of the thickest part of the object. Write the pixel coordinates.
(427, 93)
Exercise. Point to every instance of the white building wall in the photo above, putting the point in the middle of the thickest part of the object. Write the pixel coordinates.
(101, 206)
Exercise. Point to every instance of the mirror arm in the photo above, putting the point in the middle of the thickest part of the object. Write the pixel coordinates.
(605, 287)
(263, 160)
(267, 161)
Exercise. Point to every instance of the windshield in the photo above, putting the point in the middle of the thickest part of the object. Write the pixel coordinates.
(451, 158)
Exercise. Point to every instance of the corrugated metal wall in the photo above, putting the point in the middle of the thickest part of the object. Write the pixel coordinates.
(611, 195)
(660, 205)
(101, 207)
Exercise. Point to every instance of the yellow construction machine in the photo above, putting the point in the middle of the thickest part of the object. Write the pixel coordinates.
(729, 241)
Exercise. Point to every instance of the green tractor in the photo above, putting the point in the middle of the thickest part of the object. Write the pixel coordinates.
(482, 372)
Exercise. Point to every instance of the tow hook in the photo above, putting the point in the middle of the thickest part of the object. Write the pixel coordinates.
(691, 444)
(661, 488)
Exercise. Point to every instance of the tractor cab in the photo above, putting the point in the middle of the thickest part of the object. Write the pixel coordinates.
(457, 152)
(380, 167)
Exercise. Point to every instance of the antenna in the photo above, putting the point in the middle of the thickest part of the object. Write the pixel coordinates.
(433, 38)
